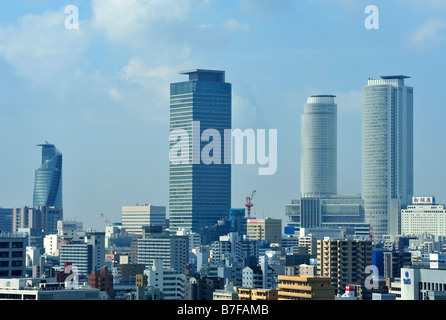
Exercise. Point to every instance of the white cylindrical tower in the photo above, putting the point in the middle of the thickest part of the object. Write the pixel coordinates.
(319, 147)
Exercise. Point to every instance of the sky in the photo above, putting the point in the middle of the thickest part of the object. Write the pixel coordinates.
(100, 92)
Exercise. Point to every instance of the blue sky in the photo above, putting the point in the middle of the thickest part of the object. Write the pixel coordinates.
(101, 93)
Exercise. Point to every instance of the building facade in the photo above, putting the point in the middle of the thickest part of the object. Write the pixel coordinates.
(135, 217)
(199, 191)
(172, 250)
(167, 280)
(48, 178)
(387, 152)
(344, 261)
(423, 217)
(12, 255)
(319, 147)
(44, 218)
(305, 288)
(268, 229)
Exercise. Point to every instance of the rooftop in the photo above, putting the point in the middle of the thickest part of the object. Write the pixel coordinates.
(205, 75)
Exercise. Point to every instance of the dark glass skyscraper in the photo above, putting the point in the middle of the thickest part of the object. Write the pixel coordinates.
(200, 192)
(48, 178)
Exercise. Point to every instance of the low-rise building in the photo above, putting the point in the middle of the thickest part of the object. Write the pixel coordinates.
(45, 289)
(305, 288)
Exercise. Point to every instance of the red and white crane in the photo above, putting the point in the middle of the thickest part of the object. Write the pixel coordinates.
(249, 203)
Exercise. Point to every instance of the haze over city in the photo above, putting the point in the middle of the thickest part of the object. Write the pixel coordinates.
(100, 93)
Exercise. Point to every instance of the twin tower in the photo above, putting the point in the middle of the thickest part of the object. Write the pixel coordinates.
(387, 150)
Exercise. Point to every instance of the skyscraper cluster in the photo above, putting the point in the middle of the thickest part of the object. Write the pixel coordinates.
(202, 248)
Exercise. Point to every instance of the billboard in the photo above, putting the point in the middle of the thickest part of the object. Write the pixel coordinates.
(423, 200)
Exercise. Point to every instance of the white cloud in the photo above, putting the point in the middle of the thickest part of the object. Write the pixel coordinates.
(123, 20)
(233, 25)
(41, 48)
(114, 94)
(427, 34)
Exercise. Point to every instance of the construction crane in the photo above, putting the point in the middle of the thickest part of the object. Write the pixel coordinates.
(249, 203)
(105, 219)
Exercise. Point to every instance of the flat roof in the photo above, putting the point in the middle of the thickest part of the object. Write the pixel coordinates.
(395, 77)
(201, 71)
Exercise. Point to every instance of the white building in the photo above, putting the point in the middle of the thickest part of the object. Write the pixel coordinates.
(261, 276)
(44, 289)
(135, 217)
(172, 250)
(423, 216)
(387, 152)
(319, 146)
(51, 244)
(422, 283)
(97, 242)
(167, 280)
(194, 238)
(70, 230)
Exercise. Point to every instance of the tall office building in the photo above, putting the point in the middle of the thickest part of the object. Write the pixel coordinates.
(200, 192)
(387, 152)
(319, 147)
(48, 178)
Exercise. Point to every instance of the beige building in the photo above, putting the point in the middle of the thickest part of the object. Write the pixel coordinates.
(134, 218)
(344, 261)
(265, 229)
(257, 294)
(305, 288)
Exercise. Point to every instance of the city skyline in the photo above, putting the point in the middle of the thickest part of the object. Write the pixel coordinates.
(102, 96)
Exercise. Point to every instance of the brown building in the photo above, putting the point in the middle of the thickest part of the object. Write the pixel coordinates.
(344, 261)
(102, 281)
(305, 288)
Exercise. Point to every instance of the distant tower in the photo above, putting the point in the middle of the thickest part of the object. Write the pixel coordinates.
(387, 152)
(48, 178)
(319, 147)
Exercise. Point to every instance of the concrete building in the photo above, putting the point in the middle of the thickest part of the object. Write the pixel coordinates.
(70, 230)
(194, 238)
(97, 242)
(79, 255)
(228, 293)
(157, 245)
(419, 283)
(261, 276)
(45, 289)
(305, 288)
(167, 280)
(102, 280)
(256, 294)
(344, 261)
(423, 216)
(51, 244)
(268, 229)
(12, 255)
(135, 217)
(329, 214)
(44, 218)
